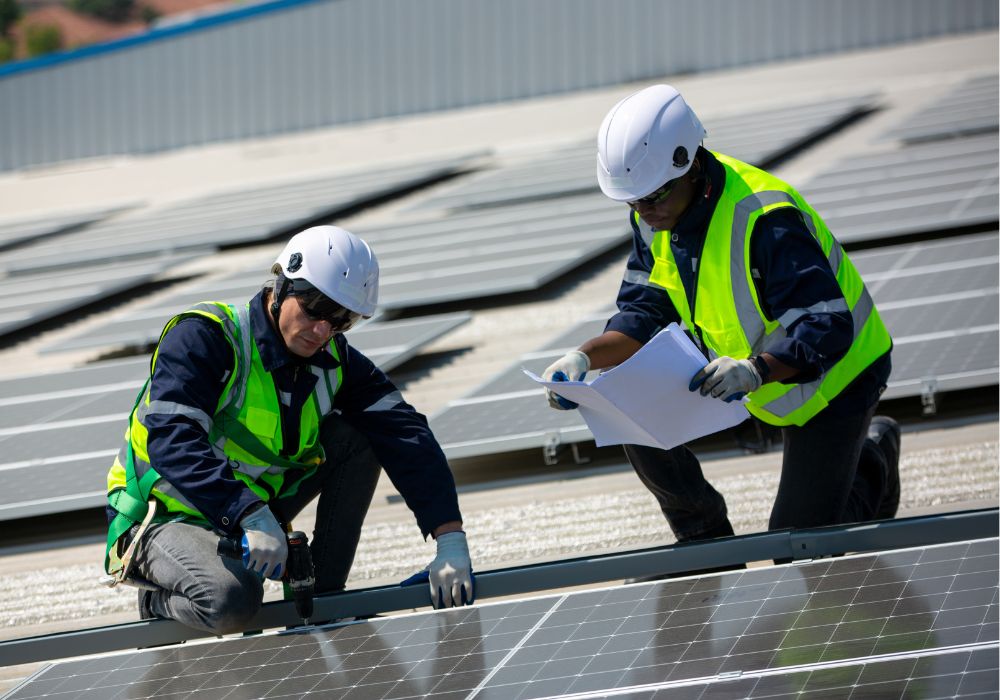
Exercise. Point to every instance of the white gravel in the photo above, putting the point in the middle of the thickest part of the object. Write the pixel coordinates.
(538, 529)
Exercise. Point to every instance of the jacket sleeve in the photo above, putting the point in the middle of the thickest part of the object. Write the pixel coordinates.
(401, 439)
(799, 290)
(644, 308)
(193, 363)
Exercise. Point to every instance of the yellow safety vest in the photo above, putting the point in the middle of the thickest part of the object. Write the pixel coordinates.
(245, 428)
(728, 315)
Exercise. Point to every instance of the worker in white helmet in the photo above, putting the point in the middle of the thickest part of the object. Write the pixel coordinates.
(250, 412)
(769, 295)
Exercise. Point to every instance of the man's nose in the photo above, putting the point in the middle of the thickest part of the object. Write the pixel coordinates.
(322, 327)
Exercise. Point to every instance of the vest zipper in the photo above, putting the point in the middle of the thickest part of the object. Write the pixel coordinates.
(696, 332)
(694, 297)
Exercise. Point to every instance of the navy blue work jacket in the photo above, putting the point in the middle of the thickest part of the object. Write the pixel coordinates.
(790, 271)
(192, 365)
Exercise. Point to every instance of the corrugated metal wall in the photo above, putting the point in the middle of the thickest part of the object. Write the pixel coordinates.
(335, 61)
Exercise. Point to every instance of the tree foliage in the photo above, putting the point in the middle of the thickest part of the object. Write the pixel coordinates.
(41, 39)
(10, 12)
(111, 10)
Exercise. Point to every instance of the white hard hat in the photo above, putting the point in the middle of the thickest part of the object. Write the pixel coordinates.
(337, 263)
(646, 140)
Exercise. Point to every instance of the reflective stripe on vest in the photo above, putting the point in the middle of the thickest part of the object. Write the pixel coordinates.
(728, 315)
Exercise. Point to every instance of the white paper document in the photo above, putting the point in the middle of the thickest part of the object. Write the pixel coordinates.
(646, 401)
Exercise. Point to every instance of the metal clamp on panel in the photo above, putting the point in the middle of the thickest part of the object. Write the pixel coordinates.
(550, 449)
(928, 394)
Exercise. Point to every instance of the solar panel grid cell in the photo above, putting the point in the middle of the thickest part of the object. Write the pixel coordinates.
(880, 623)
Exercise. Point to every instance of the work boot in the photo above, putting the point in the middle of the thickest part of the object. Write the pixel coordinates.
(144, 612)
(884, 432)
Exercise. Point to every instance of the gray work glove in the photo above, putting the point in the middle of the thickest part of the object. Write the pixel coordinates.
(726, 379)
(265, 546)
(570, 367)
(450, 574)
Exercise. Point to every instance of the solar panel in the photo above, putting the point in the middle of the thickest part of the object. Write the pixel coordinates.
(935, 186)
(969, 108)
(938, 299)
(756, 137)
(80, 421)
(239, 217)
(918, 622)
(425, 262)
(38, 298)
(20, 230)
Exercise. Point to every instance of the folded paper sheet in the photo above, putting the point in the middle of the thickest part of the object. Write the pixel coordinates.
(646, 401)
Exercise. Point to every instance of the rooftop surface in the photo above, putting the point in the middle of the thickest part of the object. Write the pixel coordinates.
(516, 509)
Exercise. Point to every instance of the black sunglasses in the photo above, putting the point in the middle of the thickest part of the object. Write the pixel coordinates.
(319, 307)
(657, 196)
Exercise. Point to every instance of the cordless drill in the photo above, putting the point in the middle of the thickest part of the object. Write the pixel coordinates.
(299, 579)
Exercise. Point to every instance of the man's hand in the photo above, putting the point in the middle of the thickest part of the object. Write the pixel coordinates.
(570, 367)
(265, 547)
(450, 574)
(726, 379)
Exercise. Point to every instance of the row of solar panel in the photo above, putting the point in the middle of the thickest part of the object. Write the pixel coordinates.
(914, 190)
(895, 193)
(940, 301)
(910, 623)
(970, 108)
(467, 264)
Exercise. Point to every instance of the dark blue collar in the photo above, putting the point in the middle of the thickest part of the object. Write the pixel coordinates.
(695, 220)
(273, 353)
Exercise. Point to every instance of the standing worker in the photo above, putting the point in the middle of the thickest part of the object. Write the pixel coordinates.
(249, 413)
(773, 301)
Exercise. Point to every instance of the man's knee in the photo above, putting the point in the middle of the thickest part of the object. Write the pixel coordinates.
(343, 442)
(228, 604)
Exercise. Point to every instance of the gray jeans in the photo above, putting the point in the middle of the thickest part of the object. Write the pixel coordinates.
(201, 586)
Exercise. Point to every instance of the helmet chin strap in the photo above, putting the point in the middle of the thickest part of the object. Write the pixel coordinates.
(278, 294)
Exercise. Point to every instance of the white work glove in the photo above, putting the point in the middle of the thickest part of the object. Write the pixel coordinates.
(727, 379)
(570, 367)
(450, 574)
(265, 547)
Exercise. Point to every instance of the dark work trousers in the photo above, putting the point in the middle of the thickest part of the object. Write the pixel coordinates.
(197, 583)
(830, 474)
(345, 486)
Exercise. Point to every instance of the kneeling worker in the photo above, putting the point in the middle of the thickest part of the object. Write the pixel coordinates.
(249, 413)
(775, 304)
